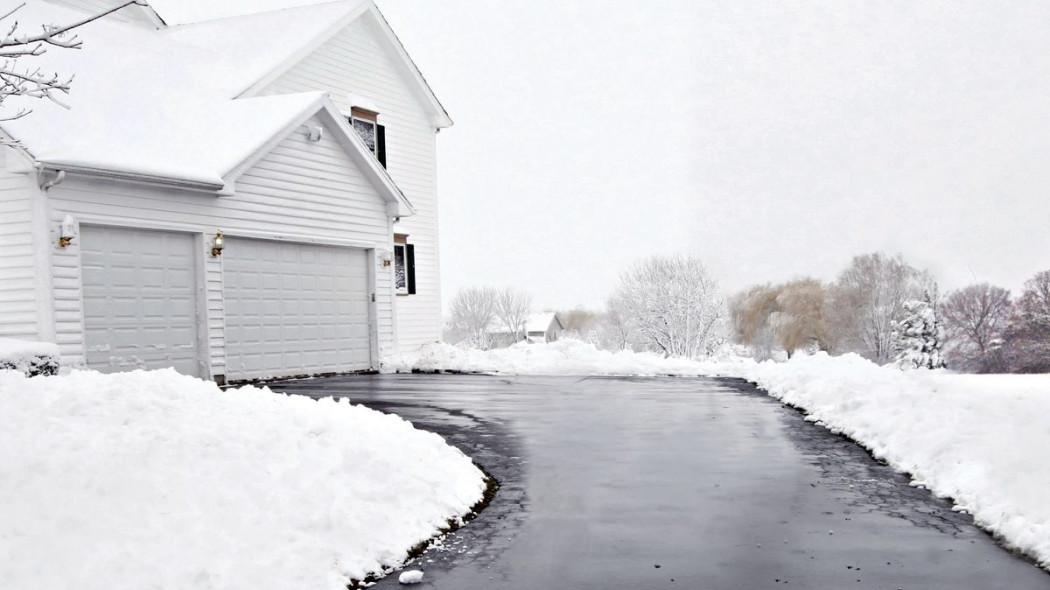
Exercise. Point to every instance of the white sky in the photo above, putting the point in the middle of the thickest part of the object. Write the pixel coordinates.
(774, 139)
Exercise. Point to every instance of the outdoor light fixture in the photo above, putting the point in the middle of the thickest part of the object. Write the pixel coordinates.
(315, 134)
(67, 231)
(385, 256)
(217, 244)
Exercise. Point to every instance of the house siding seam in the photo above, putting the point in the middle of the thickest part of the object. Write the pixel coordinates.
(328, 200)
(356, 62)
(18, 288)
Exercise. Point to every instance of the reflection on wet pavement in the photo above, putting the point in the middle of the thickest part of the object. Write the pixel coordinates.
(677, 483)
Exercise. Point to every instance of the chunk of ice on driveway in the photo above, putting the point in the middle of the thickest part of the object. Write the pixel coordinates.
(410, 577)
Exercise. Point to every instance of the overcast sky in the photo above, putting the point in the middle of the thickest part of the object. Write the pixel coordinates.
(774, 139)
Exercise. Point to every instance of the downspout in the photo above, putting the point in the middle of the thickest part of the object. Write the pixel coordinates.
(60, 175)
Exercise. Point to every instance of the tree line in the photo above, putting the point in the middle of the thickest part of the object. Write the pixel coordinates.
(880, 307)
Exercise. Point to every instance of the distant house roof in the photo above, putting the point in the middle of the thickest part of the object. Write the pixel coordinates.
(176, 103)
(541, 322)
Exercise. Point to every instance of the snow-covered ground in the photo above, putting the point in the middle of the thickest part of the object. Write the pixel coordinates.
(157, 480)
(564, 357)
(981, 440)
(978, 439)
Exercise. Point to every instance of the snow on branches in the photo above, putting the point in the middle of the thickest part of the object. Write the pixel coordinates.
(918, 337)
(16, 47)
(675, 304)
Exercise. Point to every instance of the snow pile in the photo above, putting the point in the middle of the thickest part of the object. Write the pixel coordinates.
(978, 439)
(158, 480)
(564, 357)
(30, 358)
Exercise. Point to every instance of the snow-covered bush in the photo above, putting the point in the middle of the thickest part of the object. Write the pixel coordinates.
(29, 358)
(918, 337)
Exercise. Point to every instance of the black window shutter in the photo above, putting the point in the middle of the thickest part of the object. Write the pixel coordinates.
(381, 144)
(410, 267)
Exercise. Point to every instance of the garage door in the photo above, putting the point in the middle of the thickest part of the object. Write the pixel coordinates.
(140, 309)
(294, 309)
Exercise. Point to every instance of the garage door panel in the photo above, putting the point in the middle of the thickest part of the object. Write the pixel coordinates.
(139, 297)
(286, 313)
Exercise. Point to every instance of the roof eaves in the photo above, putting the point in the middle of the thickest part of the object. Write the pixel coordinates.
(442, 118)
(398, 204)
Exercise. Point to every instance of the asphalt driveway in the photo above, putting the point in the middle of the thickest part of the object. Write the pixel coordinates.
(674, 483)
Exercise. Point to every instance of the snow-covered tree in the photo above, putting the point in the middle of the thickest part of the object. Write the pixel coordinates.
(513, 306)
(675, 305)
(918, 338)
(473, 310)
(19, 74)
(975, 318)
(867, 298)
(615, 331)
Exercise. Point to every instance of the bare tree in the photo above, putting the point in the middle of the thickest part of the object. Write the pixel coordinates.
(1027, 337)
(513, 306)
(789, 316)
(975, 317)
(17, 47)
(868, 297)
(616, 331)
(473, 310)
(675, 305)
(799, 322)
(750, 311)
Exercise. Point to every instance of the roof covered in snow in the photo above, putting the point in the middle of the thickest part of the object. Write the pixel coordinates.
(173, 103)
(540, 322)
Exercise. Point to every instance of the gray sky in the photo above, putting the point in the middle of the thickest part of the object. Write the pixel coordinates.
(774, 139)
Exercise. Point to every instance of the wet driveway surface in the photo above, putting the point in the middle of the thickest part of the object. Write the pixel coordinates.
(674, 483)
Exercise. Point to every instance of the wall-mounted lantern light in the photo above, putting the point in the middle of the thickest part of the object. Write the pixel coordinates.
(217, 244)
(67, 231)
(385, 256)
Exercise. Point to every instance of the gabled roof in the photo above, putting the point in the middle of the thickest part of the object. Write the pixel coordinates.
(162, 104)
(540, 322)
(300, 30)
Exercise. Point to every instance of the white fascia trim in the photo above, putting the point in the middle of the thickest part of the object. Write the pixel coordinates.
(441, 118)
(136, 177)
(397, 205)
(297, 56)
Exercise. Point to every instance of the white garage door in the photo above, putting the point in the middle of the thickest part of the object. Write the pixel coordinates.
(294, 309)
(140, 309)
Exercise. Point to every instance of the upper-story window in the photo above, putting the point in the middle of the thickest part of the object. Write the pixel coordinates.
(366, 124)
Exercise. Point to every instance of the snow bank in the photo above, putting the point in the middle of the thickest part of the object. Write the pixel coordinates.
(564, 357)
(978, 439)
(30, 358)
(157, 480)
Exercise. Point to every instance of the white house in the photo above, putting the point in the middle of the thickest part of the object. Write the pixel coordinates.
(543, 327)
(305, 135)
(537, 329)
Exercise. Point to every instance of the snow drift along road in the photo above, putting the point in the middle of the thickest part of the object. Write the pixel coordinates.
(979, 439)
(157, 480)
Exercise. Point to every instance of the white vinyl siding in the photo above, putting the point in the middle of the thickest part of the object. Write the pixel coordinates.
(301, 191)
(355, 61)
(18, 288)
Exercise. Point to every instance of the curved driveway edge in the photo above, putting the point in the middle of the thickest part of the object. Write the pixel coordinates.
(674, 482)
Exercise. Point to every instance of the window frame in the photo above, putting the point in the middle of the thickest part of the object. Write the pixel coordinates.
(408, 256)
(361, 115)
